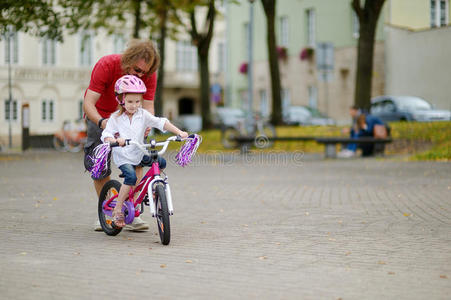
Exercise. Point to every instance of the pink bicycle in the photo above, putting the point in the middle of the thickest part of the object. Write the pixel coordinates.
(152, 190)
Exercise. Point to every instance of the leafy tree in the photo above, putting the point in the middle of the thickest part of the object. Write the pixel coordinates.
(368, 16)
(32, 16)
(269, 7)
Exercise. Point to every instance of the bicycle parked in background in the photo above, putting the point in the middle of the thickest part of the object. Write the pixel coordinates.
(262, 131)
(71, 137)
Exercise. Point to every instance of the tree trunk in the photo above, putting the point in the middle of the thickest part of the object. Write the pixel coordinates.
(137, 4)
(269, 7)
(368, 17)
(160, 80)
(204, 79)
(364, 74)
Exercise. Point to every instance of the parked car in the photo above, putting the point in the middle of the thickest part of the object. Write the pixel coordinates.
(406, 108)
(227, 116)
(190, 123)
(302, 115)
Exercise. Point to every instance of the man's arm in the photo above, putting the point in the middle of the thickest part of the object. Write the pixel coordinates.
(149, 106)
(90, 109)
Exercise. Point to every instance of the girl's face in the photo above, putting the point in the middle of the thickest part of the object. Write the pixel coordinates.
(132, 102)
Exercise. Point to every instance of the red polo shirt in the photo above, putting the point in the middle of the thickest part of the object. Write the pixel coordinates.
(103, 77)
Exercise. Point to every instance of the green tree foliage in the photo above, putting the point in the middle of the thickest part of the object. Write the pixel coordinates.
(31, 16)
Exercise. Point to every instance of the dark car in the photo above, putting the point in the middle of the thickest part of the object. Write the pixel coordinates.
(406, 108)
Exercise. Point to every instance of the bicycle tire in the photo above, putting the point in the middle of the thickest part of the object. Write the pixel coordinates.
(262, 138)
(74, 146)
(227, 137)
(58, 144)
(108, 190)
(162, 214)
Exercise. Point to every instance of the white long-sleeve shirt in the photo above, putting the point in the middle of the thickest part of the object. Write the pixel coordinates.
(134, 129)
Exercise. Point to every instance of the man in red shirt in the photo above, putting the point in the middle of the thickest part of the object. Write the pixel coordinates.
(140, 59)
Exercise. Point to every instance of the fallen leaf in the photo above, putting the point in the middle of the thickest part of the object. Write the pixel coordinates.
(391, 273)
(263, 257)
(307, 213)
(381, 262)
(77, 253)
(332, 239)
(130, 239)
(55, 198)
(188, 261)
(444, 276)
(130, 253)
(406, 215)
(348, 253)
(163, 266)
(277, 243)
(23, 253)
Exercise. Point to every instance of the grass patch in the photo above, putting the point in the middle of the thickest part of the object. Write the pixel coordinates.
(420, 141)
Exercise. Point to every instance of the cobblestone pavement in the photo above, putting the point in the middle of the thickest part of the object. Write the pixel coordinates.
(253, 227)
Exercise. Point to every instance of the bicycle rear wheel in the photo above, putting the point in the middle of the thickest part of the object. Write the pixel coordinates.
(110, 189)
(161, 205)
(228, 136)
(58, 143)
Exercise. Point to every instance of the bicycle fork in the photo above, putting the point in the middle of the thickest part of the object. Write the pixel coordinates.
(167, 189)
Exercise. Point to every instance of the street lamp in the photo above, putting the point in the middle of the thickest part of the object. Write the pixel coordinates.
(250, 119)
(8, 34)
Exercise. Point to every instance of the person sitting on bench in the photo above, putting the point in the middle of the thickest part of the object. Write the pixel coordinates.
(365, 125)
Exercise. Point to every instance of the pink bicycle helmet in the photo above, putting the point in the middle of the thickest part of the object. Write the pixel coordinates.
(128, 84)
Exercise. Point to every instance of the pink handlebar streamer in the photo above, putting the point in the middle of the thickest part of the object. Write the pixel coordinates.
(99, 159)
(188, 150)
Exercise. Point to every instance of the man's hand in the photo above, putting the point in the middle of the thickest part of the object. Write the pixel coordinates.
(148, 129)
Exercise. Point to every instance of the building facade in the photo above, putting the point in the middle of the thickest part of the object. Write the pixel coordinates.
(51, 77)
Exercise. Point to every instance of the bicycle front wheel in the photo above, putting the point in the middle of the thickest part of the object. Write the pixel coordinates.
(110, 189)
(264, 135)
(161, 205)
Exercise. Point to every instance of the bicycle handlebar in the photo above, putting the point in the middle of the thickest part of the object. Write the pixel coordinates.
(153, 143)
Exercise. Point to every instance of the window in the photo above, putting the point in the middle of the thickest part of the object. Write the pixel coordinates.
(439, 13)
(355, 25)
(11, 110)
(12, 49)
(283, 31)
(221, 57)
(186, 56)
(312, 97)
(311, 27)
(264, 103)
(286, 101)
(118, 43)
(85, 49)
(80, 109)
(47, 110)
(48, 51)
(245, 42)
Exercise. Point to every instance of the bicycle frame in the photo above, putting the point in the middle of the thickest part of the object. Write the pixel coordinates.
(145, 187)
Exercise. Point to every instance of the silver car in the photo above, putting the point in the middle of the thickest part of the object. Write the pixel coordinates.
(406, 108)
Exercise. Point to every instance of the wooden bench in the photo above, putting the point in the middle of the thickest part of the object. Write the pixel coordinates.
(245, 141)
(331, 144)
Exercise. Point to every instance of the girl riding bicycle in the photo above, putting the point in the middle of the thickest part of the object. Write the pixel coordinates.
(130, 122)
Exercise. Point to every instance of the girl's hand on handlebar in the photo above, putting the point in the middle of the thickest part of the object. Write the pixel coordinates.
(183, 134)
(121, 141)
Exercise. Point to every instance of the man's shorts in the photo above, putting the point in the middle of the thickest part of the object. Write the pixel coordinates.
(93, 140)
